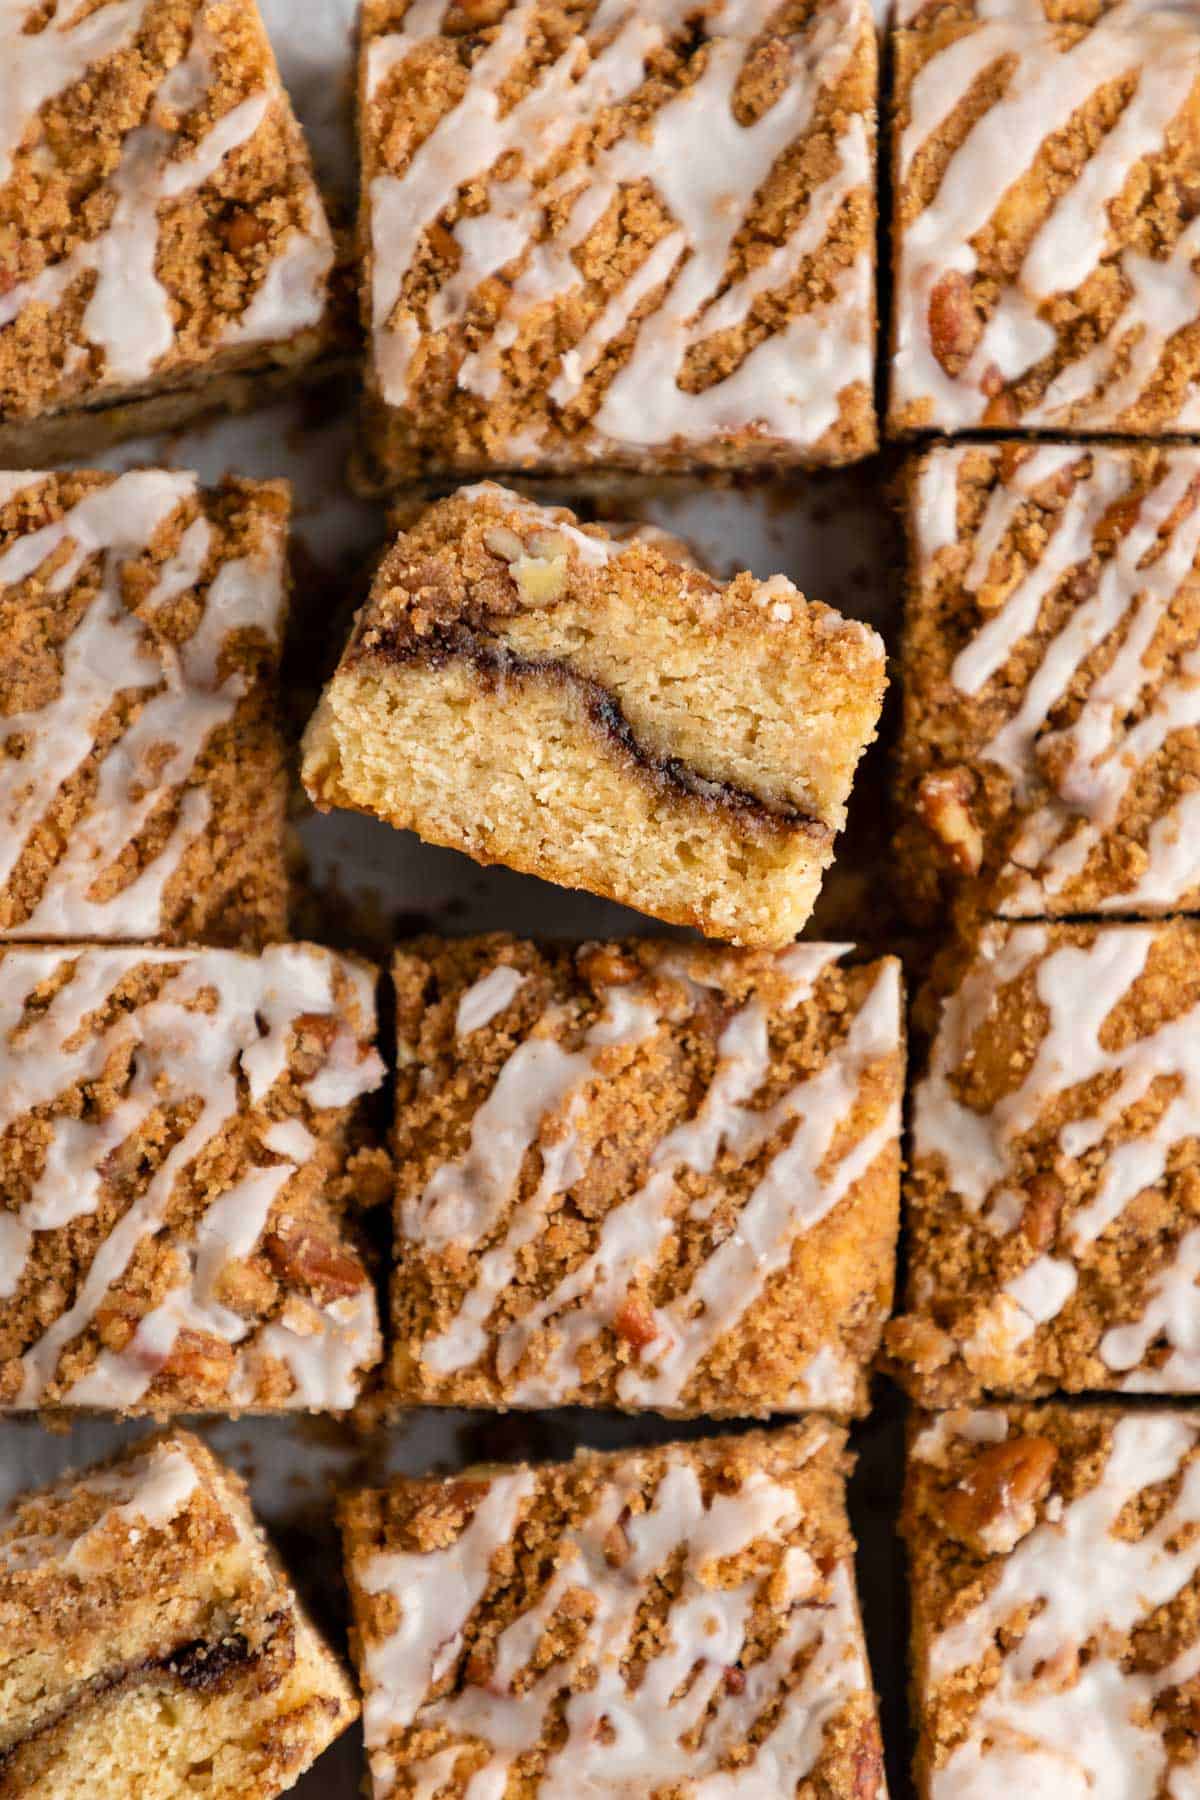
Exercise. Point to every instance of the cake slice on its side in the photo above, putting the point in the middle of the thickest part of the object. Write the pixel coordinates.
(681, 1620)
(150, 1644)
(593, 711)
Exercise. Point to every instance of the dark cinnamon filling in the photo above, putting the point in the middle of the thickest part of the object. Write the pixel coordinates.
(495, 663)
(203, 1666)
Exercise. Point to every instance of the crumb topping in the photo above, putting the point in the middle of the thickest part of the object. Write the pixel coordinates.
(174, 1125)
(1056, 1239)
(142, 620)
(1047, 202)
(652, 1619)
(598, 233)
(157, 207)
(539, 1263)
(1062, 1655)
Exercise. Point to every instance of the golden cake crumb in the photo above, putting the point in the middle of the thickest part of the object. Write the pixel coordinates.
(591, 710)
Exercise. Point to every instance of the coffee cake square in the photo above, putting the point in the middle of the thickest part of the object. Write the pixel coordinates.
(143, 785)
(1050, 748)
(644, 1175)
(1053, 1203)
(1046, 218)
(180, 1153)
(586, 704)
(677, 1620)
(1056, 1636)
(597, 236)
(162, 240)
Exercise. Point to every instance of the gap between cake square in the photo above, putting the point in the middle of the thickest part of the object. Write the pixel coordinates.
(667, 1620)
(1056, 1636)
(585, 705)
(1046, 217)
(163, 244)
(1052, 1202)
(592, 236)
(1050, 748)
(182, 1157)
(143, 782)
(151, 1643)
(660, 1177)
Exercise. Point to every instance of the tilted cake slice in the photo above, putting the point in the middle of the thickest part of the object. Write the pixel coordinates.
(681, 1620)
(592, 710)
(150, 1644)
(179, 1153)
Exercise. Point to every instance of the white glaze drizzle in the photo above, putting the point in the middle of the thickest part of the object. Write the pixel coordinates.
(1130, 710)
(178, 1052)
(641, 1743)
(1079, 986)
(1052, 1724)
(1161, 48)
(110, 652)
(704, 166)
(541, 1085)
(129, 319)
(145, 1493)
(490, 995)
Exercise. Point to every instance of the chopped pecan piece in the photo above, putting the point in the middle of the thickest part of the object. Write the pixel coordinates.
(943, 805)
(1042, 1211)
(995, 1505)
(634, 1322)
(954, 325)
(304, 1259)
